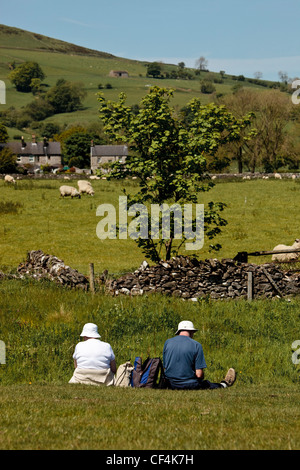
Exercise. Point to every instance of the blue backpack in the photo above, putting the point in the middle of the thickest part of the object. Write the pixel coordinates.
(149, 374)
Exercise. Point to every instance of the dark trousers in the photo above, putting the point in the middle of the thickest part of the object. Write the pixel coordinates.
(200, 385)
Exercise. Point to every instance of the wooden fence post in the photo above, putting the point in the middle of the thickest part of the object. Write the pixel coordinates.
(92, 279)
(250, 286)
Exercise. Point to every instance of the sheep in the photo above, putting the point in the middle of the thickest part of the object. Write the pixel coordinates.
(85, 187)
(83, 183)
(69, 191)
(94, 177)
(277, 176)
(9, 179)
(283, 257)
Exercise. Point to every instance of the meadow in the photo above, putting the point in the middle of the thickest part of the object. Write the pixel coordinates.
(260, 214)
(41, 322)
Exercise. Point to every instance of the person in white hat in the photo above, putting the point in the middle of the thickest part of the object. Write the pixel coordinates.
(184, 362)
(94, 360)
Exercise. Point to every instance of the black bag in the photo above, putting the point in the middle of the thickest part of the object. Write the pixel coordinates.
(148, 374)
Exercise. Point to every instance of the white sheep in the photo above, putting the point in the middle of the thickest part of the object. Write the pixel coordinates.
(277, 176)
(9, 179)
(94, 177)
(69, 191)
(286, 256)
(85, 187)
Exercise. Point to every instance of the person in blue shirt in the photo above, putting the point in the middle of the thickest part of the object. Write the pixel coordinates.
(184, 362)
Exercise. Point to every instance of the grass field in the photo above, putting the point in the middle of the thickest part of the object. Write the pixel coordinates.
(40, 410)
(83, 418)
(260, 214)
(40, 325)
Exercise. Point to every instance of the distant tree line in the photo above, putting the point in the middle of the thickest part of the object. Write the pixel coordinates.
(275, 127)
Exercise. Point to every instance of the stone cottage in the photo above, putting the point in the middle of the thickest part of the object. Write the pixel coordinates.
(107, 154)
(118, 74)
(36, 153)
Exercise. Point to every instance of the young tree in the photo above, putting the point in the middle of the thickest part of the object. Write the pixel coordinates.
(168, 155)
(22, 76)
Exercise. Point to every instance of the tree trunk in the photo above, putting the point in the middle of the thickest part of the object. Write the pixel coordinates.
(240, 160)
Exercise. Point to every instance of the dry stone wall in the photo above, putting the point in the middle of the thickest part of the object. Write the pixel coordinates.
(180, 277)
(192, 279)
(40, 265)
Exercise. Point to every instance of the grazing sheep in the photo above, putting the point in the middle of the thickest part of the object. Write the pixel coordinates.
(85, 187)
(94, 177)
(294, 177)
(69, 191)
(67, 178)
(277, 176)
(9, 179)
(286, 256)
(83, 183)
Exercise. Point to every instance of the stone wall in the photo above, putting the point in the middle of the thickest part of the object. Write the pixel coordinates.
(192, 279)
(40, 265)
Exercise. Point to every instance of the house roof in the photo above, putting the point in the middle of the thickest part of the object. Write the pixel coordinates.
(38, 148)
(109, 151)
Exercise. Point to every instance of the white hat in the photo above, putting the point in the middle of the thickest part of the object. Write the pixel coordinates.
(90, 330)
(185, 325)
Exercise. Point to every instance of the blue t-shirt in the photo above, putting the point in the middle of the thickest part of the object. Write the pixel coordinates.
(182, 355)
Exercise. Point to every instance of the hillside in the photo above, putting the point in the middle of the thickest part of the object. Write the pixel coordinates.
(59, 59)
(20, 39)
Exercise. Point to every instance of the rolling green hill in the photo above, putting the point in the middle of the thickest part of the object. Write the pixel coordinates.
(59, 59)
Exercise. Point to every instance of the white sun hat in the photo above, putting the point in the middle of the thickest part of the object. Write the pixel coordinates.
(90, 330)
(185, 325)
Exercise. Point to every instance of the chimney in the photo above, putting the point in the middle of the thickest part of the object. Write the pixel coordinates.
(23, 144)
(33, 139)
(91, 150)
(45, 145)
